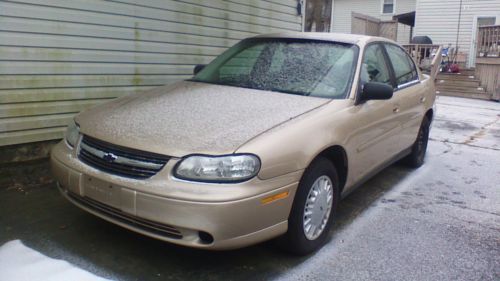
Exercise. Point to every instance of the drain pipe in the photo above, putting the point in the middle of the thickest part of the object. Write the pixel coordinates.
(458, 31)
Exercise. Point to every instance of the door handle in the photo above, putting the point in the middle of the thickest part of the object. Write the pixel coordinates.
(395, 109)
(422, 99)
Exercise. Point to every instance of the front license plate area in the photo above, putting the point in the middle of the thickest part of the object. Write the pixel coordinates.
(102, 191)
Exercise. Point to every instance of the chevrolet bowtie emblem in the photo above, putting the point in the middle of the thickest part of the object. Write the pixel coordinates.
(109, 157)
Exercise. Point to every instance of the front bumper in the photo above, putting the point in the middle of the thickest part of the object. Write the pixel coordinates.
(214, 216)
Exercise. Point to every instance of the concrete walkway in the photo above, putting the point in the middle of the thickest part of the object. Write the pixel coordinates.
(440, 222)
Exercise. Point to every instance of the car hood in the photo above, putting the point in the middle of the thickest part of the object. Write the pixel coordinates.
(191, 117)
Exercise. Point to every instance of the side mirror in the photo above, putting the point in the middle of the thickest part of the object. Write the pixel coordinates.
(198, 68)
(376, 91)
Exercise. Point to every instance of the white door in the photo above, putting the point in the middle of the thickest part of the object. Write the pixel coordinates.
(480, 21)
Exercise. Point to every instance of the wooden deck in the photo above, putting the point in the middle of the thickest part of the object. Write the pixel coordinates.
(488, 59)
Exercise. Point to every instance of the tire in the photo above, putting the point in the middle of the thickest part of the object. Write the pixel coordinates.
(296, 241)
(417, 156)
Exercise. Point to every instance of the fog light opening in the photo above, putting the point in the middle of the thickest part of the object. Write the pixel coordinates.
(205, 237)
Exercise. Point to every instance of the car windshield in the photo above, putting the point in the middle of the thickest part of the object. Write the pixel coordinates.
(302, 67)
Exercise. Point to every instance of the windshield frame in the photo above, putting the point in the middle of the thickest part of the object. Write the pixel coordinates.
(250, 41)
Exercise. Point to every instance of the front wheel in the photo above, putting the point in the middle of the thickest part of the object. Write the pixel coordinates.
(419, 148)
(313, 209)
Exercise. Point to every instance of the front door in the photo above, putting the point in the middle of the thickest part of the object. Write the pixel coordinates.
(377, 131)
(409, 95)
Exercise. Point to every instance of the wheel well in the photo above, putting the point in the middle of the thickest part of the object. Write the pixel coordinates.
(337, 155)
(429, 114)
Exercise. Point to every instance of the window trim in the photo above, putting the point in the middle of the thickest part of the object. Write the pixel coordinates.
(409, 83)
(382, 8)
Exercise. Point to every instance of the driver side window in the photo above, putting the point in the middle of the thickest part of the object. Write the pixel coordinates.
(403, 65)
(374, 67)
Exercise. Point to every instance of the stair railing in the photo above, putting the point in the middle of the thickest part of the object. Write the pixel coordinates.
(488, 41)
(426, 56)
(436, 63)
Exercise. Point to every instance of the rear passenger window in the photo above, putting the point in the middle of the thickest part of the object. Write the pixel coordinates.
(374, 68)
(404, 68)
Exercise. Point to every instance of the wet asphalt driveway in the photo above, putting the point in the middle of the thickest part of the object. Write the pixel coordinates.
(440, 222)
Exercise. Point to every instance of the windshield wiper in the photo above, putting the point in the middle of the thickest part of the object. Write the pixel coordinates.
(299, 93)
(287, 91)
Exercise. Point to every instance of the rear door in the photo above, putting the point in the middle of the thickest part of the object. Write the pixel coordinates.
(409, 94)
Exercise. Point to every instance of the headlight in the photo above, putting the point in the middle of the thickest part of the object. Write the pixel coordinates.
(227, 168)
(72, 133)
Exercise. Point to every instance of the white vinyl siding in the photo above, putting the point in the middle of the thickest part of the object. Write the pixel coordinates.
(58, 57)
(439, 20)
(342, 14)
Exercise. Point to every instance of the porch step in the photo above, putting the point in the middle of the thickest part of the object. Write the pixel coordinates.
(482, 96)
(456, 82)
(456, 76)
(458, 88)
(466, 72)
(463, 84)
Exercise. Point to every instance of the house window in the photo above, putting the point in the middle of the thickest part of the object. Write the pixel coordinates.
(388, 6)
(318, 15)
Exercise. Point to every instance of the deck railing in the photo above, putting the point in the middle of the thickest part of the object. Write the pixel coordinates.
(488, 41)
(427, 56)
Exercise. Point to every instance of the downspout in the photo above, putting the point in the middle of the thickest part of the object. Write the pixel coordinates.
(458, 32)
(301, 12)
(331, 16)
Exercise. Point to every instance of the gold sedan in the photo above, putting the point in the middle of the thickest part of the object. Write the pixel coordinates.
(261, 143)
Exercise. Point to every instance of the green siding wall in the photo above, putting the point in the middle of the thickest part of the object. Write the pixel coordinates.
(58, 57)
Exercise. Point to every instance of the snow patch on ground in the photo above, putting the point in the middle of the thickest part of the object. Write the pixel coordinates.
(19, 263)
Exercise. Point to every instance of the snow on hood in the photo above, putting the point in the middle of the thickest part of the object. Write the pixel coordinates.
(191, 117)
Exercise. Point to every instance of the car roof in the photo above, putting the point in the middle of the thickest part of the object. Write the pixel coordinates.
(356, 39)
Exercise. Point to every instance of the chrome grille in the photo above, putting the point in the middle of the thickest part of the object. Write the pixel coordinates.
(143, 224)
(119, 160)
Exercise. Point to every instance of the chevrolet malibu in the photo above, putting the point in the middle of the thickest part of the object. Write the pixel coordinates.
(261, 143)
